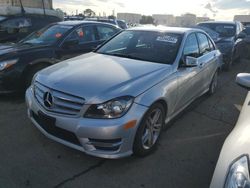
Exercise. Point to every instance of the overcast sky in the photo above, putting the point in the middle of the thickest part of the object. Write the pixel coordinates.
(217, 9)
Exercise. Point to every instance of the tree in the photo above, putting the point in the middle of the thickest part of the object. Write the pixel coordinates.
(147, 20)
(89, 13)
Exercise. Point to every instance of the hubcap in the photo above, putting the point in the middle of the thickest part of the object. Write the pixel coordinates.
(152, 129)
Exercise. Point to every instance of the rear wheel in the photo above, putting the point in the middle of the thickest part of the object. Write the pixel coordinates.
(213, 84)
(149, 131)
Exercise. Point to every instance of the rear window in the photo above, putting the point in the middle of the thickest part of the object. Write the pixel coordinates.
(224, 30)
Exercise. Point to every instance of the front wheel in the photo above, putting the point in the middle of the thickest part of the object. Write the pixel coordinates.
(149, 131)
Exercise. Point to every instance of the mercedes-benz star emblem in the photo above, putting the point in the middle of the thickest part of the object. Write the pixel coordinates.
(48, 99)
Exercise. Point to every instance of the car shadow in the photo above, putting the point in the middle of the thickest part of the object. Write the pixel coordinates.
(13, 98)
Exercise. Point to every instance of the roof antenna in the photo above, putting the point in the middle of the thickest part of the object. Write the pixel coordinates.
(44, 8)
(22, 8)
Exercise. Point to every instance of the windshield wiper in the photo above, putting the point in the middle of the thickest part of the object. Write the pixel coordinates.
(126, 56)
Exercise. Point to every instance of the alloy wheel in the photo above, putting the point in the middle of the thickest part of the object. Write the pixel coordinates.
(152, 129)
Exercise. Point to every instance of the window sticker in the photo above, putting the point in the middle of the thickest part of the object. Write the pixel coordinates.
(169, 39)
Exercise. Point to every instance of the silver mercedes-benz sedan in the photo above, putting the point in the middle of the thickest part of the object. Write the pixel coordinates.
(115, 101)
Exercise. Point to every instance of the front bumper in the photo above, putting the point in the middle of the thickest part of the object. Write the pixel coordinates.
(98, 137)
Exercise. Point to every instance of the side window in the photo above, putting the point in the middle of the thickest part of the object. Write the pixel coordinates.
(83, 34)
(212, 47)
(105, 32)
(203, 43)
(16, 25)
(191, 47)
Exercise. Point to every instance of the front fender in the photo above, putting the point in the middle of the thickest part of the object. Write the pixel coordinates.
(165, 91)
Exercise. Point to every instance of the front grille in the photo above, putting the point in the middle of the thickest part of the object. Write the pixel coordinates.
(106, 145)
(62, 103)
(58, 132)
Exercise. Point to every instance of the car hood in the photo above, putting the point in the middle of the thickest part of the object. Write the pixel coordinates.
(99, 78)
(236, 145)
(6, 49)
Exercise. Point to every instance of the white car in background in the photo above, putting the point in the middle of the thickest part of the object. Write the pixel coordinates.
(232, 169)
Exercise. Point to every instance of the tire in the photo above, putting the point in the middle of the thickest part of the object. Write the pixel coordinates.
(213, 84)
(146, 138)
(31, 72)
(227, 66)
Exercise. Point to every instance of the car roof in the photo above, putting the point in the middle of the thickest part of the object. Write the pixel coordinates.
(80, 22)
(179, 30)
(218, 22)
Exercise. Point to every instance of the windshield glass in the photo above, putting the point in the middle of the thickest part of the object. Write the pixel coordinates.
(224, 30)
(2, 18)
(150, 46)
(48, 35)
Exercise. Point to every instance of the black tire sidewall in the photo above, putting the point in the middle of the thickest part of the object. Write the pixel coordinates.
(211, 92)
(138, 149)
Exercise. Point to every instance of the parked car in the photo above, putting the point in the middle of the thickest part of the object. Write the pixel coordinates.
(15, 28)
(243, 46)
(226, 41)
(54, 43)
(232, 169)
(120, 23)
(115, 101)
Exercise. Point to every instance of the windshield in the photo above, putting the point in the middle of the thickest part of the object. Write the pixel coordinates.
(144, 45)
(48, 35)
(2, 18)
(224, 30)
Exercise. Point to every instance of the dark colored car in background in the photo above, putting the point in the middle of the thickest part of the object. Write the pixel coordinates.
(243, 46)
(15, 28)
(54, 43)
(227, 39)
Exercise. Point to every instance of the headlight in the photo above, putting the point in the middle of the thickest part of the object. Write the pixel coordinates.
(238, 175)
(6, 64)
(112, 109)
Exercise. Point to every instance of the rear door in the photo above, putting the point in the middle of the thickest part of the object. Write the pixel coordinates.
(208, 60)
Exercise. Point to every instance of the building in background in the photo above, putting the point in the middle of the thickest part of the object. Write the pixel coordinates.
(203, 19)
(130, 18)
(186, 20)
(245, 19)
(28, 3)
(164, 19)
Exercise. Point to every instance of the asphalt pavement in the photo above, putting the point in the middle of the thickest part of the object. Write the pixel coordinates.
(185, 158)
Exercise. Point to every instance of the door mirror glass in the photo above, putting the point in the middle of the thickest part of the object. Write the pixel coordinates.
(243, 79)
(242, 35)
(191, 61)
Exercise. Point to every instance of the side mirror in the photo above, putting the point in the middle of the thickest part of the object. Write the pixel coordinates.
(191, 61)
(243, 79)
(71, 43)
(241, 35)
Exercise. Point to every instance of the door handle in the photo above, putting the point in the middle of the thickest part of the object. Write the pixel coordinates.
(201, 65)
